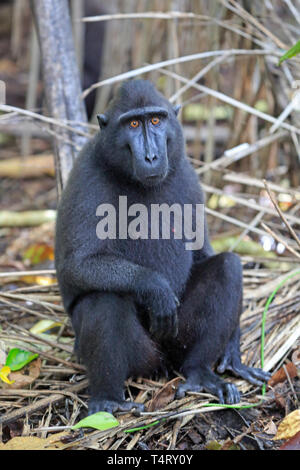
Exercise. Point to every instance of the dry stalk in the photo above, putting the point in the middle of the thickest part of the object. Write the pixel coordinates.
(281, 215)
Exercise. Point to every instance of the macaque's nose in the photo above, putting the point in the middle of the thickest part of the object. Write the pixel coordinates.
(151, 158)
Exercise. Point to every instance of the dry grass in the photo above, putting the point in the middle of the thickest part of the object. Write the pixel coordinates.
(59, 394)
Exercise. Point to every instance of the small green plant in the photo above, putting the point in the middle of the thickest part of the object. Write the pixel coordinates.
(290, 53)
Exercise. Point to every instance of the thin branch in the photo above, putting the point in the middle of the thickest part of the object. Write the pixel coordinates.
(231, 157)
(280, 240)
(28, 273)
(42, 403)
(248, 180)
(234, 221)
(233, 102)
(197, 77)
(178, 60)
(281, 215)
(169, 15)
(238, 10)
(55, 122)
(250, 204)
(252, 224)
(286, 112)
(294, 10)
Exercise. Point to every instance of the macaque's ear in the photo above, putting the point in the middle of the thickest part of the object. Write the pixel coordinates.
(177, 109)
(102, 120)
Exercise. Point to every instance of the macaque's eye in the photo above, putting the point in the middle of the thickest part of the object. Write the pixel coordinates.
(134, 124)
(155, 120)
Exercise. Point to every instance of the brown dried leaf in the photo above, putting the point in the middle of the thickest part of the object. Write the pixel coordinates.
(52, 442)
(270, 428)
(229, 445)
(289, 426)
(280, 401)
(24, 377)
(292, 444)
(280, 375)
(164, 396)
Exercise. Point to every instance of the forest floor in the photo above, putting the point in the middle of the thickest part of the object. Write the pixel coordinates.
(51, 391)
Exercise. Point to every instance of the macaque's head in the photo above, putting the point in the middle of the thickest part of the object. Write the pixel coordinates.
(142, 132)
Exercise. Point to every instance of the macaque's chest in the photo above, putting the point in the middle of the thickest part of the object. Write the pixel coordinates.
(156, 242)
(159, 233)
(167, 257)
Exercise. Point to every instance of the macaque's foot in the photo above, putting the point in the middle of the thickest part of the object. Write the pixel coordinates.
(254, 376)
(112, 406)
(206, 380)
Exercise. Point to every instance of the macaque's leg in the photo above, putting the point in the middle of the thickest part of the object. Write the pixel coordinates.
(208, 321)
(113, 345)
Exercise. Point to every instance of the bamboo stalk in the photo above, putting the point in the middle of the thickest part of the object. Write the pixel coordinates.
(179, 60)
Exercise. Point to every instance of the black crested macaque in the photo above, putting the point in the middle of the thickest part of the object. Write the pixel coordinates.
(137, 303)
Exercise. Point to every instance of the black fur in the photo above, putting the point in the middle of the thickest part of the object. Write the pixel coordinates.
(122, 295)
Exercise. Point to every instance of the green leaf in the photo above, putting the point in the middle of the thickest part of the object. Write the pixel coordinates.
(213, 445)
(100, 421)
(290, 53)
(17, 358)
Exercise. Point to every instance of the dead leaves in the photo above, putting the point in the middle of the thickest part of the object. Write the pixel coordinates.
(292, 444)
(289, 429)
(24, 377)
(37, 253)
(289, 426)
(164, 396)
(227, 445)
(53, 442)
(289, 370)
